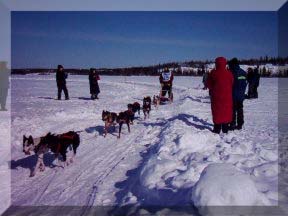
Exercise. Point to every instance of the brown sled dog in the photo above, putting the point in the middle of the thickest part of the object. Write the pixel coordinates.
(156, 101)
(110, 119)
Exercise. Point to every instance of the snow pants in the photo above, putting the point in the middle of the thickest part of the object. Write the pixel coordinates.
(238, 114)
(165, 89)
(60, 89)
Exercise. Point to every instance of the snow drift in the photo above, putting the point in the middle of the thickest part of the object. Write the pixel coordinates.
(223, 184)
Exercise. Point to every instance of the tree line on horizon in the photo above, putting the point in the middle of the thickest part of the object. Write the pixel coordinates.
(199, 68)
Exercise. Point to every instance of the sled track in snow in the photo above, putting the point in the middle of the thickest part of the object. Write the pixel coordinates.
(98, 181)
(127, 146)
(92, 196)
(47, 186)
(75, 180)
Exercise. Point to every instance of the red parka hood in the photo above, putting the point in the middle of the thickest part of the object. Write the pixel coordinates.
(221, 63)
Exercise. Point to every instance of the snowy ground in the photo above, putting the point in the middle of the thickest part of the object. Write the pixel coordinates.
(5, 174)
(158, 163)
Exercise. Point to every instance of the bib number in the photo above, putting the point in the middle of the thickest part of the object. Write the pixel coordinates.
(166, 76)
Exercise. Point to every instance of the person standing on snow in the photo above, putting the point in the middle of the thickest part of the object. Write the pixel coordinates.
(166, 81)
(220, 84)
(93, 81)
(204, 80)
(239, 88)
(4, 85)
(250, 82)
(255, 82)
(61, 77)
(253, 78)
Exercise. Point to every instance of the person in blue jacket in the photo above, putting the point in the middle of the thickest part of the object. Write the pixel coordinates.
(239, 87)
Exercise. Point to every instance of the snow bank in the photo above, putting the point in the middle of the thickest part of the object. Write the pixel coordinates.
(224, 185)
(174, 159)
(185, 146)
(157, 170)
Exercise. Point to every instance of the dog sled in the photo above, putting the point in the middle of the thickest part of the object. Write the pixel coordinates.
(162, 100)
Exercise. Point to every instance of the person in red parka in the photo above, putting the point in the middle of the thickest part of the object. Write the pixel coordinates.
(220, 84)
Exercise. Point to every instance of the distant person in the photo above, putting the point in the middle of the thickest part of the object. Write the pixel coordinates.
(166, 81)
(4, 85)
(255, 82)
(204, 80)
(253, 78)
(93, 81)
(220, 84)
(239, 88)
(250, 82)
(61, 77)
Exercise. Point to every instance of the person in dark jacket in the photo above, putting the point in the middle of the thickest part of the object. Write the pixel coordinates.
(253, 79)
(166, 81)
(219, 83)
(239, 88)
(255, 82)
(4, 84)
(250, 83)
(204, 80)
(93, 81)
(61, 77)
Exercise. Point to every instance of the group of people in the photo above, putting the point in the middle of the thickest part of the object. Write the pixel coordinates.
(61, 77)
(227, 88)
(165, 78)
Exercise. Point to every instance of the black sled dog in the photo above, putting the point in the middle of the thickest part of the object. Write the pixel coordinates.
(124, 117)
(57, 144)
(135, 107)
(146, 106)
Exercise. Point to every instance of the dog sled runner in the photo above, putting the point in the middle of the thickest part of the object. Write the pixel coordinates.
(166, 99)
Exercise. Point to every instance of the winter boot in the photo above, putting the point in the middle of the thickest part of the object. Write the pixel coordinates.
(217, 128)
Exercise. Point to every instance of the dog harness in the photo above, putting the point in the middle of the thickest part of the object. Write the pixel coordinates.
(110, 118)
(62, 136)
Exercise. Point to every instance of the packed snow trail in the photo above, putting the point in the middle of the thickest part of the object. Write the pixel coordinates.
(157, 163)
(96, 154)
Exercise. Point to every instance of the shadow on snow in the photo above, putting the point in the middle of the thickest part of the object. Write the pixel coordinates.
(198, 99)
(155, 200)
(186, 119)
(30, 161)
